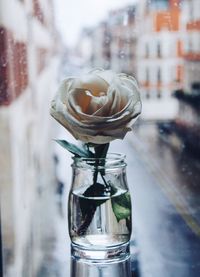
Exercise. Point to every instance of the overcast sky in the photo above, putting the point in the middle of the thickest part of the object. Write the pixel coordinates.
(72, 15)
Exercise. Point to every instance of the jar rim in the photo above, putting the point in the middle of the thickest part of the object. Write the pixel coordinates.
(111, 160)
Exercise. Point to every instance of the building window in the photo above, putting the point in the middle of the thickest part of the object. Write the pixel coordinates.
(146, 50)
(191, 11)
(190, 48)
(147, 75)
(159, 76)
(158, 50)
(179, 73)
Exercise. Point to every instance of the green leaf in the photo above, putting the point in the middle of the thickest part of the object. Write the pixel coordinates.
(74, 149)
(122, 206)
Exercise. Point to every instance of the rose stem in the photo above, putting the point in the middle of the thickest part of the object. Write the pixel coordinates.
(104, 180)
(88, 218)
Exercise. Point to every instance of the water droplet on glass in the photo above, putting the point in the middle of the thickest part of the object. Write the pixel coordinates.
(3, 62)
(107, 40)
(121, 54)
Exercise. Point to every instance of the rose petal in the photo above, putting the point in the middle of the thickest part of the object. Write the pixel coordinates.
(91, 82)
(108, 75)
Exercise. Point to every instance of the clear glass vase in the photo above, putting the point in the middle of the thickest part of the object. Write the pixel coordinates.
(99, 212)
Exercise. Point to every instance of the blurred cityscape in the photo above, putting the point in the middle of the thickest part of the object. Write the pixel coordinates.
(158, 42)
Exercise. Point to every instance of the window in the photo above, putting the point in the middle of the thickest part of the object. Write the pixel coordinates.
(159, 76)
(158, 50)
(159, 94)
(147, 76)
(43, 42)
(146, 50)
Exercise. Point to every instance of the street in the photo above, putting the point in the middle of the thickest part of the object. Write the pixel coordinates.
(166, 205)
(166, 228)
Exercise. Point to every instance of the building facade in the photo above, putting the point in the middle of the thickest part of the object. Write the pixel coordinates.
(146, 41)
(114, 41)
(186, 126)
(159, 51)
(27, 81)
(123, 40)
(159, 56)
(100, 45)
(191, 25)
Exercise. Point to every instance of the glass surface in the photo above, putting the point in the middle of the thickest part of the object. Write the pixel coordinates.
(83, 268)
(99, 214)
(43, 42)
(104, 230)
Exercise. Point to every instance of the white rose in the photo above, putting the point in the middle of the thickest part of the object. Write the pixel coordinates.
(98, 107)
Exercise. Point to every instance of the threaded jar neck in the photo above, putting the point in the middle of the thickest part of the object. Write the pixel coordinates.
(112, 160)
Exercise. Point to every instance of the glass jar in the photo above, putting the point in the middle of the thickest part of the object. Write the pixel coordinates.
(99, 212)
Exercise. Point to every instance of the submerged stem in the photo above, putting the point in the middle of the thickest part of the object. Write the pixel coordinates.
(100, 152)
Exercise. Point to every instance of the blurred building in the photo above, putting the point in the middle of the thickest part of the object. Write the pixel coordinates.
(27, 82)
(145, 40)
(114, 42)
(100, 46)
(123, 40)
(159, 56)
(191, 25)
(83, 50)
(184, 130)
(186, 126)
